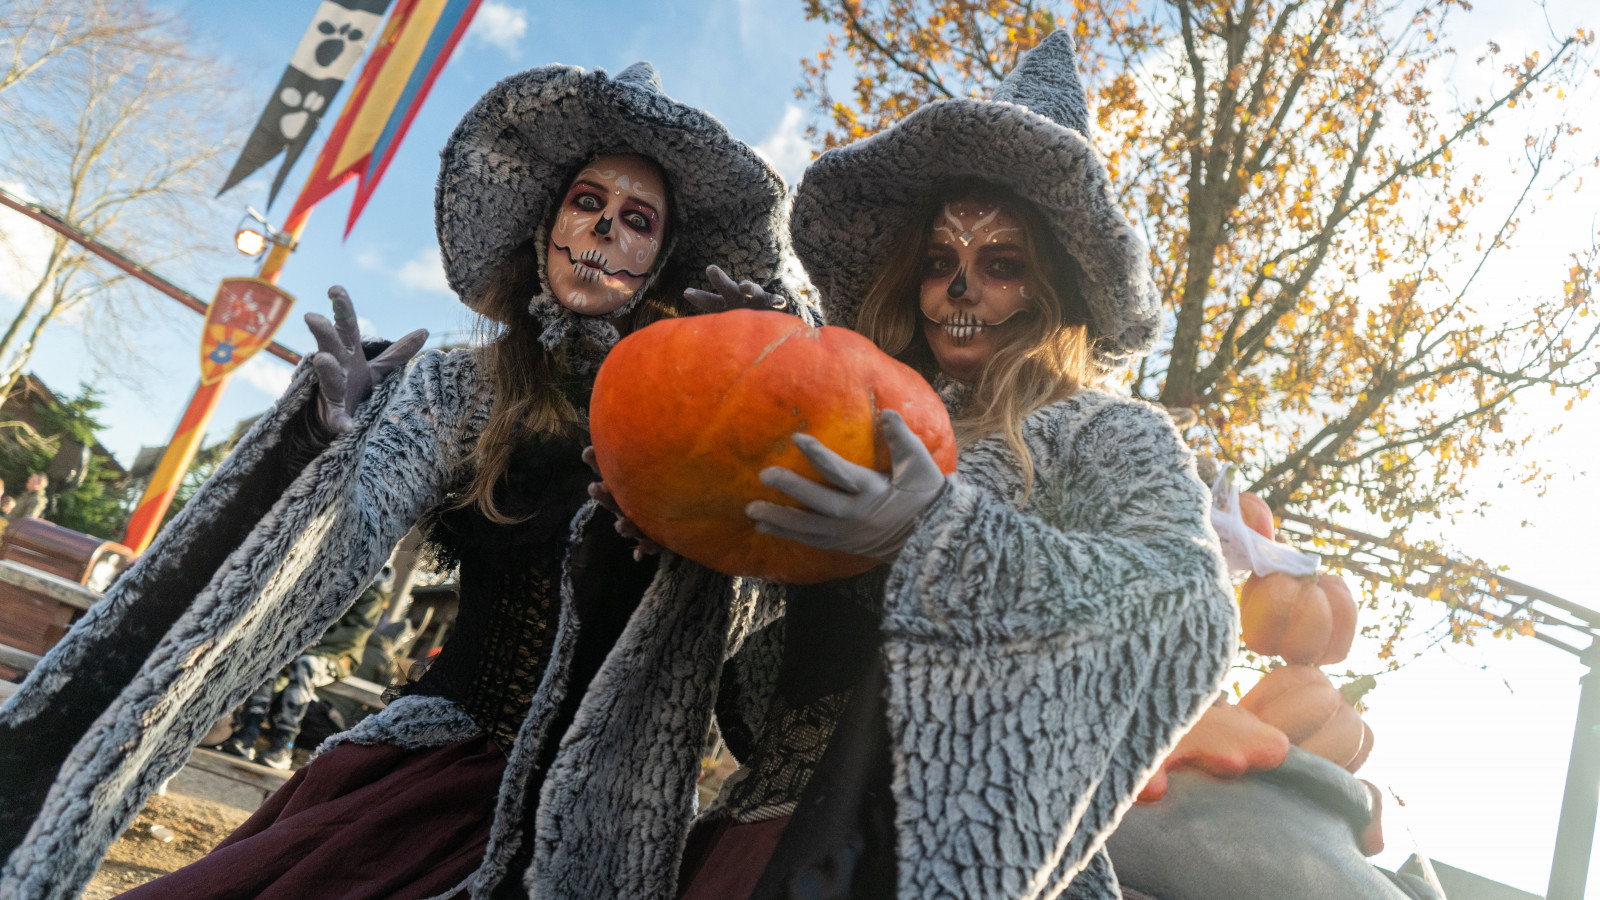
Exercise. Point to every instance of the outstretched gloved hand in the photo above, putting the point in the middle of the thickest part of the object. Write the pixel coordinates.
(744, 295)
(871, 514)
(345, 376)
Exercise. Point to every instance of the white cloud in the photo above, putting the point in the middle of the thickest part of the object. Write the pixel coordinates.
(266, 373)
(500, 25)
(786, 147)
(425, 273)
(369, 259)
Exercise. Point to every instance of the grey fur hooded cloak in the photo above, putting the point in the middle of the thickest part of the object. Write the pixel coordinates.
(239, 582)
(1042, 654)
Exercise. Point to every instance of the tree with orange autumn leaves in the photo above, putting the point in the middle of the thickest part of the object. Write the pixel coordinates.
(1315, 232)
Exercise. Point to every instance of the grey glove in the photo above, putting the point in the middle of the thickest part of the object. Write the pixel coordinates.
(871, 514)
(344, 375)
(744, 295)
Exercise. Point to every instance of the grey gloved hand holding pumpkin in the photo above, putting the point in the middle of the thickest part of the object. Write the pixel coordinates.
(866, 512)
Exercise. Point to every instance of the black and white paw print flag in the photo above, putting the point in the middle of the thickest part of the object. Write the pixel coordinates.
(327, 53)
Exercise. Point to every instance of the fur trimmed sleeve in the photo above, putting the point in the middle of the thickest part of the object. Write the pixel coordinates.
(217, 636)
(1042, 659)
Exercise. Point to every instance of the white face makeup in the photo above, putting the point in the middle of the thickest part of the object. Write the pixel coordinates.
(607, 234)
(974, 285)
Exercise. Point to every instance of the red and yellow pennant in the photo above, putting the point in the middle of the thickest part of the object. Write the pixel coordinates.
(406, 58)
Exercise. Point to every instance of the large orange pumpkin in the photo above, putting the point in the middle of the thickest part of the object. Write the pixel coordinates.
(687, 412)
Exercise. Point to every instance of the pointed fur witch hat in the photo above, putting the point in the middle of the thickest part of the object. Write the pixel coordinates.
(854, 202)
(506, 164)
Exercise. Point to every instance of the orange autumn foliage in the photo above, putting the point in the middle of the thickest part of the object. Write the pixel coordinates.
(1298, 170)
(687, 412)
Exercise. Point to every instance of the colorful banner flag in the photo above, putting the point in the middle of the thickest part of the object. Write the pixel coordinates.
(240, 321)
(328, 51)
(415, 45)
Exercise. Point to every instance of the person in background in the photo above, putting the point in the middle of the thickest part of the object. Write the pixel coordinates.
(33, 500)
(333, 658)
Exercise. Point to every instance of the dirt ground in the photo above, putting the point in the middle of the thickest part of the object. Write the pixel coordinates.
(139, 856)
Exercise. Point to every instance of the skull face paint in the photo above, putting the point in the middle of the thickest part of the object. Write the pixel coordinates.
(974, 284)
(607, 234)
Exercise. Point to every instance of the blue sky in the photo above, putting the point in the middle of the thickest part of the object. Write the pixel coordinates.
(1473, 740)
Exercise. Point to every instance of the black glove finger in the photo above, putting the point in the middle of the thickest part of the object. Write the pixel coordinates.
(331, 391)
(630, 530)
(756, 296)
(344, 319)
(397, 354)
(725, 286)
(327, 340)
(330, 377)
(603, 495)
(705, 301)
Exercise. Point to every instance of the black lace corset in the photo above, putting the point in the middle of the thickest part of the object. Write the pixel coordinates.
(510, 578)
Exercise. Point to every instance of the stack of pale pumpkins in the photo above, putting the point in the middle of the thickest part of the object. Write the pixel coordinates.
(1307, 622)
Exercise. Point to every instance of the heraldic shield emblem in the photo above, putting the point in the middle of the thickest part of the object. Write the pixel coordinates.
(241, 320)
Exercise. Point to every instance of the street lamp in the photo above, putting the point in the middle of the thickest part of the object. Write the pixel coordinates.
(254, 234)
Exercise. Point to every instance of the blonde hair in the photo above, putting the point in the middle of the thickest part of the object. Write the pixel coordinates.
(527, 378)
(1047, 358)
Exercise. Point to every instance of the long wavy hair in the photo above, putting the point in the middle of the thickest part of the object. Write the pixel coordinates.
(1045, 360)
(527, 378)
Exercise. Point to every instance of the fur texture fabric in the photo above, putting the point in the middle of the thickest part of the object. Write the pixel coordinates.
(506, 164)
(299, 568)
(619, 795)
(1043, 655)
(1041, 658)
(855, 202)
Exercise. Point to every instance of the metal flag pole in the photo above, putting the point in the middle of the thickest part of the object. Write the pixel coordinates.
(185, 443)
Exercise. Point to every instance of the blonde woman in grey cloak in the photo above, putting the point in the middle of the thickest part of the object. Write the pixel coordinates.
(571, 205)
(972, 718)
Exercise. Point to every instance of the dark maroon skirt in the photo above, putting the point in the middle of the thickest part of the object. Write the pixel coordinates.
(733, 860)
(359, 823)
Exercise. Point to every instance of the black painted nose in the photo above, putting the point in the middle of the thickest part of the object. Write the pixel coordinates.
(958, 285)
(603, 226)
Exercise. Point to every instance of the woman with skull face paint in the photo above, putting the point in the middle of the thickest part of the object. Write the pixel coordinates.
(571, 206)
(971, 718)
